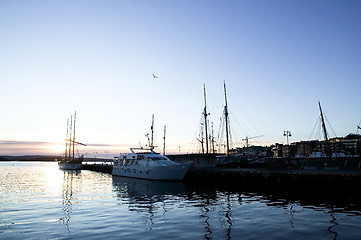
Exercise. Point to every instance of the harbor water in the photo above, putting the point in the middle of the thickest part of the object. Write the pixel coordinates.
(39, 201)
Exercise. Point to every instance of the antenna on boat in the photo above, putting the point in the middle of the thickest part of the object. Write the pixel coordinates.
(226, 115)
(164, 140)
(152, 130)
(205, 116)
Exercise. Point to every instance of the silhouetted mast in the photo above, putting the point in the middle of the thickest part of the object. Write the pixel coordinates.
(66, 139)
(164, 141)
(71, 129)
(226, 116)
(74, 136)
(212, 139)
(324, 131)
(205, 117)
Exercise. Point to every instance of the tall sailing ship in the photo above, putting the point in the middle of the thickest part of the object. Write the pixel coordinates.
(70, 161)
(209, 157)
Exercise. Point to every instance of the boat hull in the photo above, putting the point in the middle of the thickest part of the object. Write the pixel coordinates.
(70, 166)
(171, 173)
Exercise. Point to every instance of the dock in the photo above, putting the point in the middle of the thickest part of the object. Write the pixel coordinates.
(101, 165)
(324, 179)
(303, 181)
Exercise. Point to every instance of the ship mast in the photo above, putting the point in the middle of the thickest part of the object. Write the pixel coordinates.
(201, 140)
(226, 116)
(74, 136)
(205, 117)
(324, 131)
(212, 139)
(164, 141)
(66, 139)
(71, 128)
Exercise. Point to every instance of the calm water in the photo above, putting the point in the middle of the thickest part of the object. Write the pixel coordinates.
(39, 201)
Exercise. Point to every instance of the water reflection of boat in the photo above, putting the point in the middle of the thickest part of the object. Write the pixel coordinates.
(142, 189)
(67, 195)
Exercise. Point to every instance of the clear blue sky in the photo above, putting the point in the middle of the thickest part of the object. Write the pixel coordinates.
(97, 57)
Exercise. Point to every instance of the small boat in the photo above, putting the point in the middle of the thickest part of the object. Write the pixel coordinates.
(145, 163)
(70, 161)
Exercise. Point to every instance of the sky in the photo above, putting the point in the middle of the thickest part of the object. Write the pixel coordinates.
(278, 59)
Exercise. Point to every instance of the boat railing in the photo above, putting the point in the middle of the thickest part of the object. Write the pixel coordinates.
(148, 149)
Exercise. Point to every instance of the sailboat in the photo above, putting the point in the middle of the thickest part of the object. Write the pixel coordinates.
(209, 158)
(70, 161)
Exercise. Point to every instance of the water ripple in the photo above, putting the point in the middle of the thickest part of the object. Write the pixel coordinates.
(40, 201)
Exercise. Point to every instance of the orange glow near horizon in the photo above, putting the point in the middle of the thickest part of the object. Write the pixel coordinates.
(20, 148)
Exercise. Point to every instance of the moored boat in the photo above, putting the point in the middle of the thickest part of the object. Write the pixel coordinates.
(71, 165)
(148, 164)
(145, 163)
(70, 161)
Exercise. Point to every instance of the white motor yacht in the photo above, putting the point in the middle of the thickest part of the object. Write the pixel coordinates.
(148, 164)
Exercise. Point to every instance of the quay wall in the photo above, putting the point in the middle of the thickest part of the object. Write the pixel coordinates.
(98, 167)
(290, 180)
(301, 180)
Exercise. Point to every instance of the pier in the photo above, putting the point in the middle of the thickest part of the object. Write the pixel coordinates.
(303, 180)
(98, 165)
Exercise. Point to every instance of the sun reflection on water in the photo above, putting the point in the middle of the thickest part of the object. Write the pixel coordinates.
(52, 178)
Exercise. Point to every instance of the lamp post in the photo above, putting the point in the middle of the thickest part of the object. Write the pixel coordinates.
(287, 134)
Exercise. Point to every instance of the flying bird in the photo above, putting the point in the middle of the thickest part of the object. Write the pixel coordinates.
(154, 76)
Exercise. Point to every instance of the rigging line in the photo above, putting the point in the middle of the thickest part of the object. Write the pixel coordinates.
(220, 137)
(242, 129)
(243, 124)
(194, 139)
(232, 143)
(220, 128)
(318, 119)
(318, 132)
(330, 125)
(257, 133)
